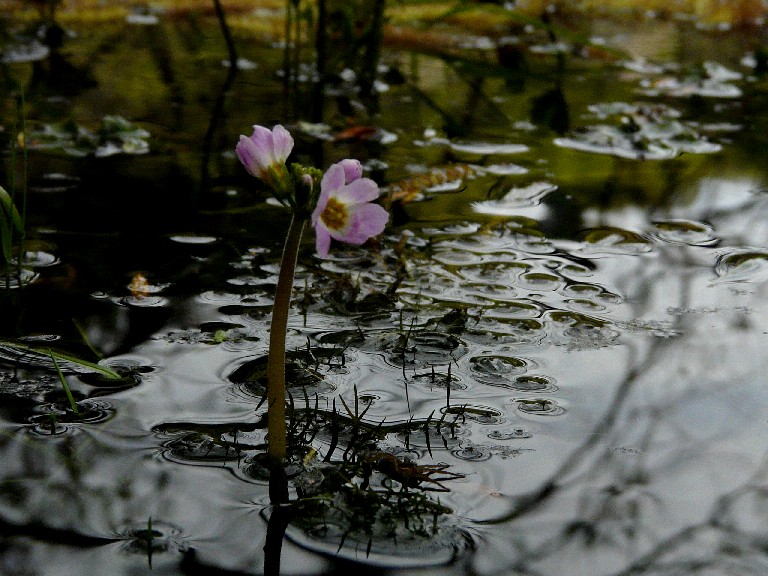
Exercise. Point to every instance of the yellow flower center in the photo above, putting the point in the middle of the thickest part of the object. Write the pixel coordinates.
(335, 214)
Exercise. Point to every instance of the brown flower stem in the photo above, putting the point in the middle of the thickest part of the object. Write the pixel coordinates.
(276, 434)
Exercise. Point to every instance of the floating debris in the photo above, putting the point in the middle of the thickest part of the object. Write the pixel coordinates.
(713, 81)
(641, 132)
(516, 198)
(116, 135)
(447, 179)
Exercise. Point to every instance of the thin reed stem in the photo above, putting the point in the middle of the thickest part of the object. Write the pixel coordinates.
(276, 434)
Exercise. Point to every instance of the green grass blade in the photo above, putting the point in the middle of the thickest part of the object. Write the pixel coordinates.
(67, 391)
(9, 211)
(103, 370)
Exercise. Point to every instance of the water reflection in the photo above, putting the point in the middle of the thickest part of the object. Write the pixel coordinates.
(591, 372)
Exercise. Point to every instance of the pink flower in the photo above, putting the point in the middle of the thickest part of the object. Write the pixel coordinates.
(344, 210)
(265, 152)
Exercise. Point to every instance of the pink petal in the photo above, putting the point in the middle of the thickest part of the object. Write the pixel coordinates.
(263, 148)
(368, 220)
(247, 153)
(332, 180)
(360, 191)
(352, 169)
(282, 143)
(322, 201)
(322, 242)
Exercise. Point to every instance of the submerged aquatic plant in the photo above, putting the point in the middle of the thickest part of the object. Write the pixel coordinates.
(341, 210)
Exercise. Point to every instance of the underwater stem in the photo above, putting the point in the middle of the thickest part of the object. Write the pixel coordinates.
(276, 435)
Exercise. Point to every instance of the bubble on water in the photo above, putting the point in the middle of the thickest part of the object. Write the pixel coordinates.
(685, 232)
(742, 265)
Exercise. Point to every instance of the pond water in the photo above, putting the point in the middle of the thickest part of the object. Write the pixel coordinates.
(563, 328)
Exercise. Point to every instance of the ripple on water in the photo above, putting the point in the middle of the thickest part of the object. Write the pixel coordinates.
(130, 371)
(510, 434)
(197, 447)
(306, 371)
(479, 414)
(497, 370)
(434, 379)
(473, 453)
(440, 543)
(540, 281)
(529, 332)
(742, 265)
(422, 349)
(611, 240)
(58, 417)
(539, 406)
(685, 232)
(141, 301)
(152, 537)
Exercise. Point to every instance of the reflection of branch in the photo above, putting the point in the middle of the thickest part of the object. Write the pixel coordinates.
(652, 559)
(534, 499)
(226, 33)
(216, 115)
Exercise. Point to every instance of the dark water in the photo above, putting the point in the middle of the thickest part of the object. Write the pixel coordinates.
(569, 308)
